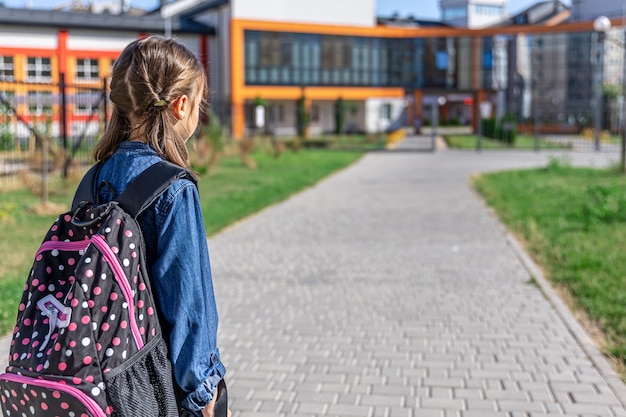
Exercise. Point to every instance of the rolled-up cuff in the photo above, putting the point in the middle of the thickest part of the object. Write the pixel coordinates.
(198, 399)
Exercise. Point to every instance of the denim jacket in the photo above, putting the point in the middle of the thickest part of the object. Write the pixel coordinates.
(177, 253)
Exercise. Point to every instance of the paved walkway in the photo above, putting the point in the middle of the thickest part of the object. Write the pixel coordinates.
(390, 290)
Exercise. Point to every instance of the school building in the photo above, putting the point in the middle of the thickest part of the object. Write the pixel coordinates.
(548, 65)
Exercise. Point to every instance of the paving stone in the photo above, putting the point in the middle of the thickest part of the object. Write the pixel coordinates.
(311, 407)
(342, 410)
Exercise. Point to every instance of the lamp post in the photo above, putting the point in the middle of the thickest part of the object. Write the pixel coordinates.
(441, 101)
(602, 25)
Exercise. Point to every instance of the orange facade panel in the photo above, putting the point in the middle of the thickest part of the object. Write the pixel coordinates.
(318, 93)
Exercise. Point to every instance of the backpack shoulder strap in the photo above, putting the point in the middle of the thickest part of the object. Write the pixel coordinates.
(149, 185)
(86, 189)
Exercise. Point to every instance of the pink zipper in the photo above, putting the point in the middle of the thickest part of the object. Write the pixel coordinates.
(121, 278)
(90, 404)
(63, 246)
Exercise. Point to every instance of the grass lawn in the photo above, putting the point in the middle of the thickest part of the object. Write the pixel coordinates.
(573, 221)
(521, 142)
(229, 193)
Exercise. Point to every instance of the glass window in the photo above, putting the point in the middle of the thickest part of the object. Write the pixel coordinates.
(441, 60)
(488, 60)
(385, 111)
(38, 69)
(487, 10)
(87, 69)
(297, 58)
(7, 102)
(269, 50)
(6, 68)
(39, 103)
(454, 13)
(315, 113)
(86, 103)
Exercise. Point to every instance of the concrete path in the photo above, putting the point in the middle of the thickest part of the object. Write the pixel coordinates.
(390, 290)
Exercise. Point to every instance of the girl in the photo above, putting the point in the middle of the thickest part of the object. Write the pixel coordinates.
(157, 89)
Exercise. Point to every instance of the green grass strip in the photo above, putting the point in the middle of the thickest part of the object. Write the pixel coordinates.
(574, 223)
(521, 142)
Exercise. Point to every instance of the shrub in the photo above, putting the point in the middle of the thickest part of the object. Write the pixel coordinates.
(488, 127)
(506, 129)
(7, 140)
(340, 115)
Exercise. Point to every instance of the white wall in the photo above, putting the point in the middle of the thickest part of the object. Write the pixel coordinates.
(329, 12)
(473, 18)
(86, 40)
(374, 123)
(477, 20)
(28, 37)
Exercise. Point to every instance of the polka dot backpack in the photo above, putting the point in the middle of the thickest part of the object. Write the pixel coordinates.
(87, 342)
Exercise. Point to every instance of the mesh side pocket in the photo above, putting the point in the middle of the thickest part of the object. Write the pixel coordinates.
(144, 387)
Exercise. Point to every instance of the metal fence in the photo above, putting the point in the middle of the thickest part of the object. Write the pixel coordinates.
(48, 126)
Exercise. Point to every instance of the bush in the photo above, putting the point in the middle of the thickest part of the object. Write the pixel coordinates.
(7, 140)
(488, 127)
(302, 117)
(340, 115)
(506, 129)
(503, 131)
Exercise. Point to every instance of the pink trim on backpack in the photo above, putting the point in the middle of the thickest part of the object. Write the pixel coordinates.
(121, 278)
(64, 246)
(86, 400)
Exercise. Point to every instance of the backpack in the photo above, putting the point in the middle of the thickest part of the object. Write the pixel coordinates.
(87, 342)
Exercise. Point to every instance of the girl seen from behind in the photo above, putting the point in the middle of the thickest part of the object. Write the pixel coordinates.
(158, 87)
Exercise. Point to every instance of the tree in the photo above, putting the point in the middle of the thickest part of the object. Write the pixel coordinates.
(340, 115)
(302, 117)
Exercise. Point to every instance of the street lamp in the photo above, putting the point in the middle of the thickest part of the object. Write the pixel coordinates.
(602, 25)
(441, 101)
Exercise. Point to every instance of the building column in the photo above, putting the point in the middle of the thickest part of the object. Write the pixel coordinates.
(418, 107)
(238, 119)
(479, 97)
(62, 50)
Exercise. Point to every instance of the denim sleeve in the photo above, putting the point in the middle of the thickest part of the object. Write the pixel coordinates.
(182, 281)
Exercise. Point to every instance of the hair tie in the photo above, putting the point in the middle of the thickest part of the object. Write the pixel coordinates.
(160, 103)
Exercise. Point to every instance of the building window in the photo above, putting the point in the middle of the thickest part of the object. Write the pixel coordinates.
(6, 68)
(305, 59)
(488, 60)
(270, 50)
(385, 111)
(455, 13)
(87, 69)
(7, 102)
(278, 113)
(40, 103)
(38, 69)
(86, 103)
(315, 113)
(486, 10)
(441, 60)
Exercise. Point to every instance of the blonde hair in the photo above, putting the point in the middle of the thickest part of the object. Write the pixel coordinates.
(149, 74)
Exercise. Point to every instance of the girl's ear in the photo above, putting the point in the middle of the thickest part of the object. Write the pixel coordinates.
(179, 106)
